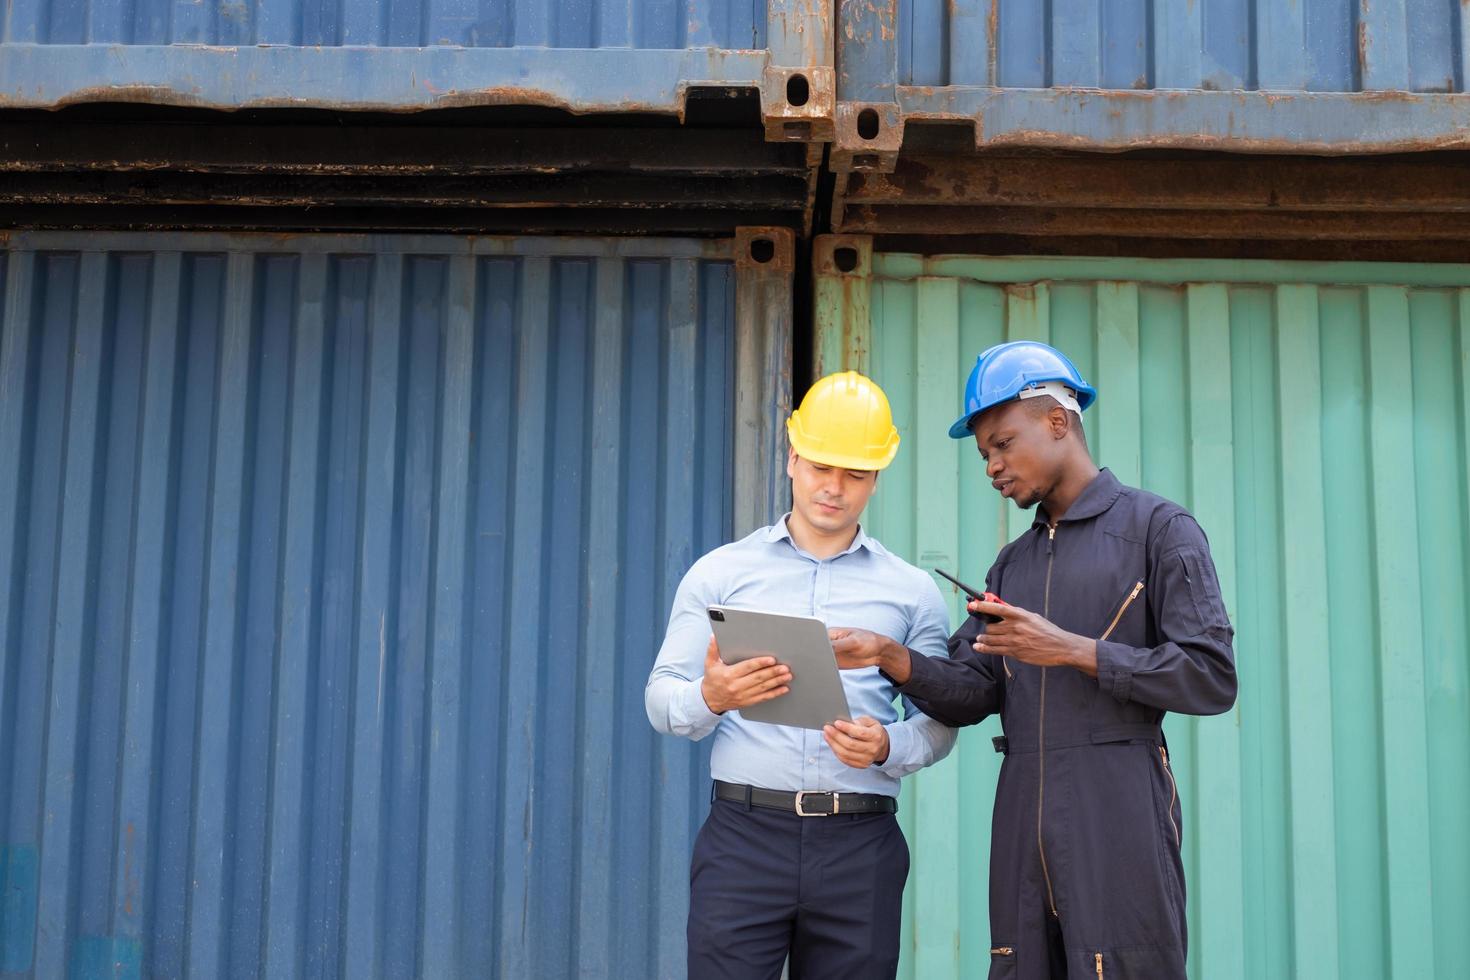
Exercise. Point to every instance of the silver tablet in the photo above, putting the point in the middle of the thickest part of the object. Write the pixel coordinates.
(816, 697)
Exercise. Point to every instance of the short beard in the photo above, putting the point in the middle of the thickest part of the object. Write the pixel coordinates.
(1030, 501)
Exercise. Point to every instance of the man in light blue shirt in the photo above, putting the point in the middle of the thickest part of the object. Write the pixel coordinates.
(817, 878)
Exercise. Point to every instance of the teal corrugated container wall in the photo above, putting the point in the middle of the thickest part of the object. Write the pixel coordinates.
(331, 570)
(1315, 418)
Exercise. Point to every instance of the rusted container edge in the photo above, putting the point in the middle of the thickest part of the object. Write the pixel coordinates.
(1094, 119)
(370, 79)
(291, 243)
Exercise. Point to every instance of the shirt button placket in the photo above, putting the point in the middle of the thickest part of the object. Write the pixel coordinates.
(821, 591)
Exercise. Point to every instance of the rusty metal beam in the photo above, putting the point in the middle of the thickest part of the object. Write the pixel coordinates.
(1097, 198)
(31, 141)
(466, 221)
(576, 191)
(1438, 182)
(1089, 119)
(172, 169)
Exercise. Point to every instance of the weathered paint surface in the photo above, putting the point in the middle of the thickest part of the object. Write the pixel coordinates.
(1316, 419)
(331, 569)
(578, 55)
(1310, 76)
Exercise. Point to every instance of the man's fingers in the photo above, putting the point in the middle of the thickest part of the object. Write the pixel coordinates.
(766, 684)
(753, 665)
(858, 729)
(993, 609)
(711, 654)
(764, 680)
(848, 753)
(839, 741)
(852, 743)
(994, 638)
(771, 695)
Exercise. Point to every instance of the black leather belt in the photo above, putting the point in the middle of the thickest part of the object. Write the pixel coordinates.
(806, 803)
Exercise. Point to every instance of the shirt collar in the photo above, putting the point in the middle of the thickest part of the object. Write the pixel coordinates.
(779, 531)
(1095, 498)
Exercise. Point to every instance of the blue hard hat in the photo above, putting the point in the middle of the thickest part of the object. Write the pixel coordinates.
(1003, 371)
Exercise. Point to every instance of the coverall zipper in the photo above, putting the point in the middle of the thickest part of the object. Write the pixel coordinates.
(1126, 603)
(1051, 901)
(1097, 958)
(1001, 951)
(1173, 793)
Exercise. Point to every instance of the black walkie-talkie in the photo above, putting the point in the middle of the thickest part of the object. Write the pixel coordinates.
(975, 594)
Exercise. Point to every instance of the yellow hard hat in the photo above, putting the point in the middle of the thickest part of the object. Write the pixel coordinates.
(845, 421)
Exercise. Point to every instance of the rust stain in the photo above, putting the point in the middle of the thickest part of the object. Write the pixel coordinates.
(992, 38)
(1207, 141)
(1364, 43)
(441, 99)
(1234, 136)
(854, 346)
(783, 254)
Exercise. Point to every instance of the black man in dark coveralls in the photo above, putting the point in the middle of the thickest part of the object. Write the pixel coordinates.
(1112, 617)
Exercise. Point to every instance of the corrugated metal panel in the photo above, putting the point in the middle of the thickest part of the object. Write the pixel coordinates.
(585, 56)
(330, 572)
(1316, 419)
(1306, 76)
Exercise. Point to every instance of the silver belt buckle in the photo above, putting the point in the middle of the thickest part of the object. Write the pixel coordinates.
(802, 793)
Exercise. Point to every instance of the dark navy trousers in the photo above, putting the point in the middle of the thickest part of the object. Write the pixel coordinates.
(828, 891)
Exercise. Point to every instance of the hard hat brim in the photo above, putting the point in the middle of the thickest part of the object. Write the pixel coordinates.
(849, 462)
(963, 427)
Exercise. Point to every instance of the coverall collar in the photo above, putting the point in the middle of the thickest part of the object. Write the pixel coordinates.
(1096, 498)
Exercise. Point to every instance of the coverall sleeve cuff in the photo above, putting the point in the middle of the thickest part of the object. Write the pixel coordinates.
(695, 716)
(924, 680)
(1114, 673)
(901, 740)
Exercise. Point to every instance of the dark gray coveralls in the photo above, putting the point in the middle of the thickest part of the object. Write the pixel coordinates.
(1085, 872)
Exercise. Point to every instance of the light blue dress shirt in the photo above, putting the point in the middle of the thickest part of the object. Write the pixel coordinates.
(866, 587)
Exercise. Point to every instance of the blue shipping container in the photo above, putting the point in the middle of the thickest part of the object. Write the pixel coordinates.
(579, 55)
(331, 570)
(1315, 76)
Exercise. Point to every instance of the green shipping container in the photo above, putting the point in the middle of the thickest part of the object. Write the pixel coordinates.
(1314, 417)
